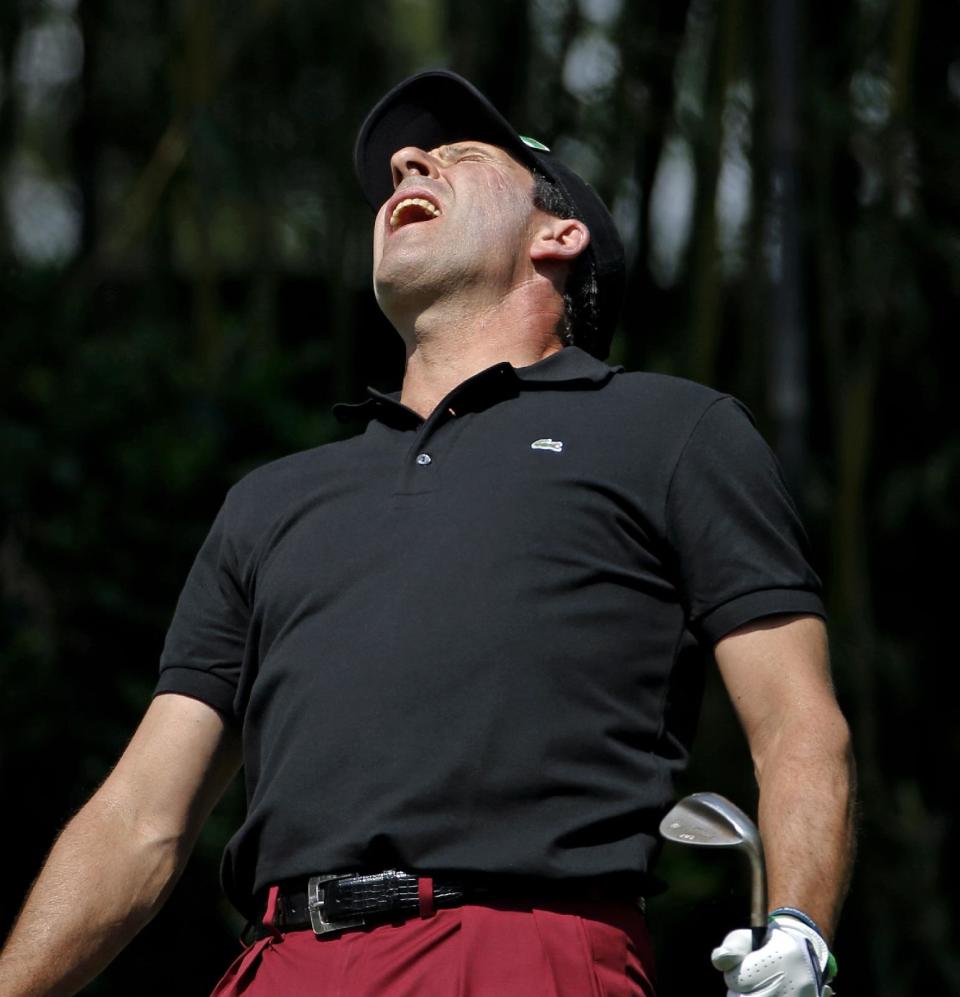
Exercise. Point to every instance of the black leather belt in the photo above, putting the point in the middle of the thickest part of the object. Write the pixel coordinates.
(333, 903)
(352, 900)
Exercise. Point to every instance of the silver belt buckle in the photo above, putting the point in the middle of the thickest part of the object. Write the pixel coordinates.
(315, 901)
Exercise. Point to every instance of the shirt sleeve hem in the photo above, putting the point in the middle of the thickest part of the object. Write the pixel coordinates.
(207, 687)
(756, 605)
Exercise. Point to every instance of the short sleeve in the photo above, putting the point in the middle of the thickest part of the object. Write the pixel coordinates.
(740, 547)
(205, 644)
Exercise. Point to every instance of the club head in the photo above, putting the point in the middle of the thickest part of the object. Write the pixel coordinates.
(712, 821)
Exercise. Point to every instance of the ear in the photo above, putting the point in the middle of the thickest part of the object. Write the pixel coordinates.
(561, 239)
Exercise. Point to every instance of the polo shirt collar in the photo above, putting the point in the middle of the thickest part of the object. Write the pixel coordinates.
(568, 367)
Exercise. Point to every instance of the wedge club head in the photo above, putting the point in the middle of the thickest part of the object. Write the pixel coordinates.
(712, 821)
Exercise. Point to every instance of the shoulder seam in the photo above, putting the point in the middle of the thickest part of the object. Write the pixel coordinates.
(680, 453)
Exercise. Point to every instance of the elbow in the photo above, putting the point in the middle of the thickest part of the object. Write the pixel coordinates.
(159, 847)
(818, 742)
(161, 855)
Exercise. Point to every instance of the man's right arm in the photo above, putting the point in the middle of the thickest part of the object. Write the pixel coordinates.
(117, 860)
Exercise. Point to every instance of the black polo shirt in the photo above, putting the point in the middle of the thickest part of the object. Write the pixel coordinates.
(462, 643)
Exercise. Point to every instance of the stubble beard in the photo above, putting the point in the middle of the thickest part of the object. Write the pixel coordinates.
(408, 285)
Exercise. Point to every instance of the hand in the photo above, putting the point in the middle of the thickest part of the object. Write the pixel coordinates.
(794, 961)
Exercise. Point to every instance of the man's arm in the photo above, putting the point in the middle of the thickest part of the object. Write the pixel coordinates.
(117, 860)
(777, 673)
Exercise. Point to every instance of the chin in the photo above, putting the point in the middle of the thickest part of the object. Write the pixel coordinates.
(386, 287)
(396, 301)
(402, 278)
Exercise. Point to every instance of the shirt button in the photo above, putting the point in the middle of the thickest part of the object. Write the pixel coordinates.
(423, 459)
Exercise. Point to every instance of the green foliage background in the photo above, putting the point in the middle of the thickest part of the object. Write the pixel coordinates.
(184, 291)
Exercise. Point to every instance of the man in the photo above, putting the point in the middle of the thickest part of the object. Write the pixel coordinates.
(457, 651)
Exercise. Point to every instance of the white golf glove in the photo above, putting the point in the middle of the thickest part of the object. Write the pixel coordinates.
(794, 961)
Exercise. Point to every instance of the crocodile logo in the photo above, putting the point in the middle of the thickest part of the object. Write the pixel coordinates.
(555, 445)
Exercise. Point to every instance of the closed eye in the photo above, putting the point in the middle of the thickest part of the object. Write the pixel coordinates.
(464, 153)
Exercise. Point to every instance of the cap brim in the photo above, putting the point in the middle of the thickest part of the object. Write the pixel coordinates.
(429, 110)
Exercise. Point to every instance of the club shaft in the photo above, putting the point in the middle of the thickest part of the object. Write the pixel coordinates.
(758, 896)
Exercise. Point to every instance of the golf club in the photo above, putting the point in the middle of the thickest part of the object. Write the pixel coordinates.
(713, 821)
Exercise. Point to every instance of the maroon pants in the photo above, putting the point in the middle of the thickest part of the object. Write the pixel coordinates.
(555, 949)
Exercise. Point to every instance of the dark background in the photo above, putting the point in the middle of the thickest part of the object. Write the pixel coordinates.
(184, 290)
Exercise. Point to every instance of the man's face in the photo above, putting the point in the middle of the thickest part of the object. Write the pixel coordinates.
(461, 214)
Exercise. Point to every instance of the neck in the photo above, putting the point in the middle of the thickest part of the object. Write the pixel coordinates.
(449, 342)
(455, 337)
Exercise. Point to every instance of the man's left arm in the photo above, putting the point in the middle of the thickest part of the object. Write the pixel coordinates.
(777, 673)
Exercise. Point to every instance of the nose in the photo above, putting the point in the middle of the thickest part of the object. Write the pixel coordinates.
(413, 161)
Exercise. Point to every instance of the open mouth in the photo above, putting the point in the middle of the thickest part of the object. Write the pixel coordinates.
(413, 209)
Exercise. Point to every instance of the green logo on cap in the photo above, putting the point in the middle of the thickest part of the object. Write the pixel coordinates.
(533, 143)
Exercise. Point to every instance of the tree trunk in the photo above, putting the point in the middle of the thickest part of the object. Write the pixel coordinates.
(787, 349)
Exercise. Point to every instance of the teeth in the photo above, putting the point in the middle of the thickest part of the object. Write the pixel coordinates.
(419, 202)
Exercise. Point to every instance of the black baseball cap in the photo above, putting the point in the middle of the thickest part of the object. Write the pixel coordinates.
(439, 107)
